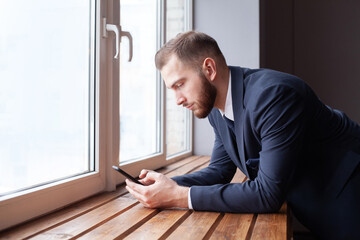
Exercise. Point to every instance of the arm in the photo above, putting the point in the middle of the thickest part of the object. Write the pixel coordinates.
(164, 192)
(279, 122)
(220, 170)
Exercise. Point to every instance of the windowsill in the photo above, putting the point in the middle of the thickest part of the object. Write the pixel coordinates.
(118, 214)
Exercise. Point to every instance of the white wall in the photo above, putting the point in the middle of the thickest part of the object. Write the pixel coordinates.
(234, 24)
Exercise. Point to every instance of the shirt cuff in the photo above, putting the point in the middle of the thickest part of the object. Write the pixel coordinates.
(189, 200)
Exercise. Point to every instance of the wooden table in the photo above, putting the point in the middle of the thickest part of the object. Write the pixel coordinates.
(117, 215)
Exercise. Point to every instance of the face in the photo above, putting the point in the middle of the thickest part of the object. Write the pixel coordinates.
(192, 89)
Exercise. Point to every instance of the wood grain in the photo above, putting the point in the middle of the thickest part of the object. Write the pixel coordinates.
(122, 225)
(178, 164)
(189, 167)
(59, 217)
(89, 220)
(233, 226)
(161, 225)
(195, 226)
(239, 177)
(271, 226)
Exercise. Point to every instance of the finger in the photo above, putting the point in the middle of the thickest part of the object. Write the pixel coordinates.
(150, 177)
(153, 176)
(139, 196)
(135, 194)
(146, 182)
(134, 186)
(143, 173)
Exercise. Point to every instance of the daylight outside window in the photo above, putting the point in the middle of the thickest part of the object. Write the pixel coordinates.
(46, 92)
(139, 86)
(178, 118)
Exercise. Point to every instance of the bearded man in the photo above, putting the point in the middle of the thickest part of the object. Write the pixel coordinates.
(271, 126)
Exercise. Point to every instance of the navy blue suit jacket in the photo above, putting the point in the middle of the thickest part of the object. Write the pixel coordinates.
(292, 148)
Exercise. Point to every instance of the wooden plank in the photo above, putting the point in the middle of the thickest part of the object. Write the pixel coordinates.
(161, 225)
(89, 220)
(54, 219)
(196, 226)
(178, 164)
(239, 177)
(272, 226)
(122, 225)
(233, 226)
(189, 167)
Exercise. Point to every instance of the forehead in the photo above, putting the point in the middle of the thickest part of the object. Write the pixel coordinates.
(174, 70)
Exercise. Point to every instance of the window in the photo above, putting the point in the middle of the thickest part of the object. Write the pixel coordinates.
(140, 89)
(46, 92)
(65, 117)
(151, 129)
(47, 106)
(178, 119)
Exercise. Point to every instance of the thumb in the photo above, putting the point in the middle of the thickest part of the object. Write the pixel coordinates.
(152, 176)
(143, 173)
(147, 177)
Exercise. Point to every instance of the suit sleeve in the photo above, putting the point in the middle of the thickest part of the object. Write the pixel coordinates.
(220, 170)
(277, 117)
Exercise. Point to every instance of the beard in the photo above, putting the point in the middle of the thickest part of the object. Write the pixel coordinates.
(207, 98)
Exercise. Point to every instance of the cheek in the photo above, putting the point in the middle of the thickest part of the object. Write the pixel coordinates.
(187, 93)
(194, 92)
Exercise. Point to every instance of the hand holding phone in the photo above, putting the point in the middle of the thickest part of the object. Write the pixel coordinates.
(126, 175)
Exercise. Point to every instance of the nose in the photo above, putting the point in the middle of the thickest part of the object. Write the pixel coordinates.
(179, 99)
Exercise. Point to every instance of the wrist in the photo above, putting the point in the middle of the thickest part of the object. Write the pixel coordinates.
(182, 197)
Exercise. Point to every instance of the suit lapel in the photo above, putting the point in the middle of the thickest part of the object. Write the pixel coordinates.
(237, 92)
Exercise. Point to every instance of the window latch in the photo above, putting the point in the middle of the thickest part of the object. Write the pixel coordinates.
(118, 35)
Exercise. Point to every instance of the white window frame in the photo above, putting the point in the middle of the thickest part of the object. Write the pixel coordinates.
(25, 205)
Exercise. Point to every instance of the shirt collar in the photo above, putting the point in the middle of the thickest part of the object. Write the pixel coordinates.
(229, 113)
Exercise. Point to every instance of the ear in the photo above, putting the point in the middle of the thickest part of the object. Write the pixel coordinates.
(209, 68)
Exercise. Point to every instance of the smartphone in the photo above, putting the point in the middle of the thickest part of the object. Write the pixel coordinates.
(126, 175)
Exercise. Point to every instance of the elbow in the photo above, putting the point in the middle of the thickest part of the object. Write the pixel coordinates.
(272, 202)
(272, 199)
(273, 207)
(269, 206)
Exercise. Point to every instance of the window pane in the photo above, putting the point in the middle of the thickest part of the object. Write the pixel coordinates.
(177, 117)
(44, 91)
(139, 86)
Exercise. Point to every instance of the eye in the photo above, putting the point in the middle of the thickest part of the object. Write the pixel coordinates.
(179, 85)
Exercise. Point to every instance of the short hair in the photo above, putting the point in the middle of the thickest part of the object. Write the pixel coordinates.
(191, 48)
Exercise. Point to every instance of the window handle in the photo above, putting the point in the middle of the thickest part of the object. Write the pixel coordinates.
(118, 34)
(128, 35)
(115, 29)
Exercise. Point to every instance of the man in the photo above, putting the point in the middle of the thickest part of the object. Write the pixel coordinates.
(273, 128)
